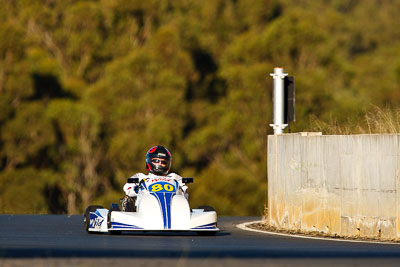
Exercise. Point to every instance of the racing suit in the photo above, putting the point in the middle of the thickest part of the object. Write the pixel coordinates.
(128, 202)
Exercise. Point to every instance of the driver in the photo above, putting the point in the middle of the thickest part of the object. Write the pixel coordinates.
(158, 164)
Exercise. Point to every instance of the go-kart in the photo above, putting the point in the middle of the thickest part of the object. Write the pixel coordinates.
(160, 206)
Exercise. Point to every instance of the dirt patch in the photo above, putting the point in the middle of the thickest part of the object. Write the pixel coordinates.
(269, 228)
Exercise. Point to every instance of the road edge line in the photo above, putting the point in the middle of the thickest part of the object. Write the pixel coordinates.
(244, 226)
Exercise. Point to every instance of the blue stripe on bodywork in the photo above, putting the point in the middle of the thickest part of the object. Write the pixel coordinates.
(210, 224)
(207, 226)
(164, 199)
(98, 213)
(143, 185)
(204, 228)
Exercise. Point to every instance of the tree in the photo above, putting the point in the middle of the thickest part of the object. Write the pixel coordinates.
(78, 151)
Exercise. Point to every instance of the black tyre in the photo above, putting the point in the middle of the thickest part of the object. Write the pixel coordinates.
(86, 215)
(114, 207)
(206, 208)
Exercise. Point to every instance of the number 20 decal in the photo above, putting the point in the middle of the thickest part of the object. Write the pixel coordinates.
(162, 187)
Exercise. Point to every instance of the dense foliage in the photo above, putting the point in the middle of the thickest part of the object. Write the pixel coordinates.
(86, 87)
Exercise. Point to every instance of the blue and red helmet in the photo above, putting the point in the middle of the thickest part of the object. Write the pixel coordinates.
(158, 160)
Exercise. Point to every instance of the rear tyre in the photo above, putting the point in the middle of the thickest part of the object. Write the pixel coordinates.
(86, 216)
(206, 208)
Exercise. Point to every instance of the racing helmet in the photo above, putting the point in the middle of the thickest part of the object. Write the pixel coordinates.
(158, 160)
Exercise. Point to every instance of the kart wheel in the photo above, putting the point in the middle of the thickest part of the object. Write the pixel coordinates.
(86, 215)
(206, 208)
(114, 207)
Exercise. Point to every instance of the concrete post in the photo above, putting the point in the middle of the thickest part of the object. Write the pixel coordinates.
(279, 103)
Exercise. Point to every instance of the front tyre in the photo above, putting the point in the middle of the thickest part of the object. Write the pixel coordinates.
(206, 208)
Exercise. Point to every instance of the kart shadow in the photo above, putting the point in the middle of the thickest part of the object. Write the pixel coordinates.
(172, 234)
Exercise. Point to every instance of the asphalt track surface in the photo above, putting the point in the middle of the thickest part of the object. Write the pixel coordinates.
(60, 240)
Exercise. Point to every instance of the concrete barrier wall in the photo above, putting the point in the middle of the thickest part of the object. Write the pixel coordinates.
(344, 185)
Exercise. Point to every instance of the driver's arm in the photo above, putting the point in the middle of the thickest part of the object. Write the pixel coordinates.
(130, 188)
(182, 185)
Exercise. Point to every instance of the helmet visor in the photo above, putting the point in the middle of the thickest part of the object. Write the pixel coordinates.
(158, 161)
